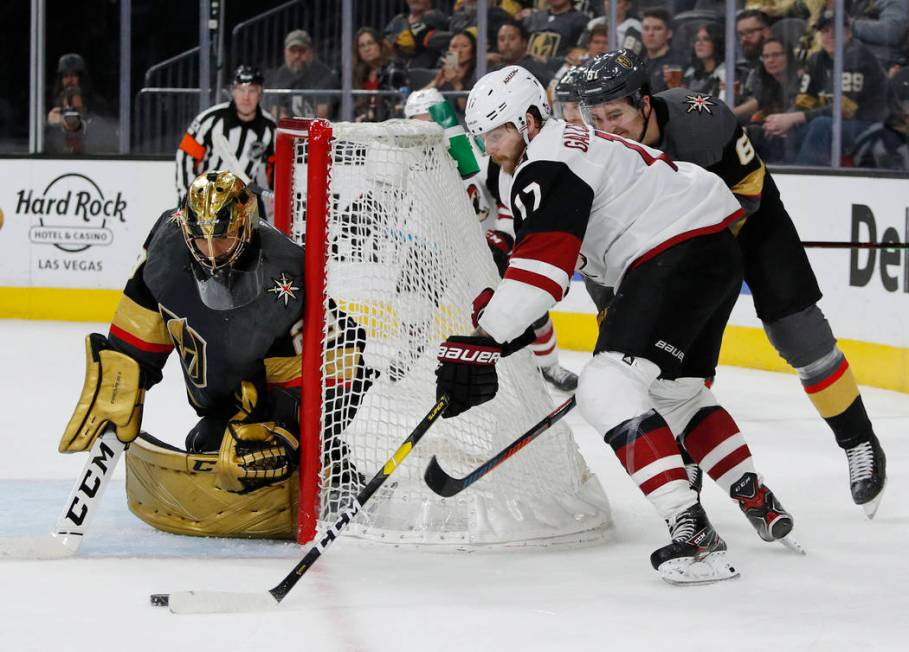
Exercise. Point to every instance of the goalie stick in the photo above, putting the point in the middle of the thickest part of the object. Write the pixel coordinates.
(445, 485)
(202, 602)
(78, 511)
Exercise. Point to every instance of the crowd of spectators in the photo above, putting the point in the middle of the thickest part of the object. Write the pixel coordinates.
(783, 75)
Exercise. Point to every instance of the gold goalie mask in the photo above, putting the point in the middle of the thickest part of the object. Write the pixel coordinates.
(219, 218)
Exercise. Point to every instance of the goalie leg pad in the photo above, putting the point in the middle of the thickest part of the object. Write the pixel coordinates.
(175, 491)
(111, 394)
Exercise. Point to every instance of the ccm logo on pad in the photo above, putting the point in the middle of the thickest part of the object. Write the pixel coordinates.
(473, 355)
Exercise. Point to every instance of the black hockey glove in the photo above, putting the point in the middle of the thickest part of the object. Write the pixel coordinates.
(467, 372)
(500, 244)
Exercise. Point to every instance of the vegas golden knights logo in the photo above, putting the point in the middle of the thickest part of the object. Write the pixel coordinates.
(544, 44)
(190, 346)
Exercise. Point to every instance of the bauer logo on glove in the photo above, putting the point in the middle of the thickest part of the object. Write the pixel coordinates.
(467, 372)
(478, 355)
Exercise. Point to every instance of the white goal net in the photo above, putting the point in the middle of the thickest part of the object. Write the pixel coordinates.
(395, 257)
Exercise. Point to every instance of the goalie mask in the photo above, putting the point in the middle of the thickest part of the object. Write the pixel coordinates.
(218, 220)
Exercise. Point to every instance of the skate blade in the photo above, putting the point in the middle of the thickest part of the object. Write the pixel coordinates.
(792, 544)
(870, 508)
(686, 571)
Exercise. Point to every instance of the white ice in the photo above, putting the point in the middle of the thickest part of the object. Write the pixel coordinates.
(848, 593)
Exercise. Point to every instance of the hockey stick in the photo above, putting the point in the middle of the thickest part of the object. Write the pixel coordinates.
(445, 485)
(828, 244)
(79, 509)
(206, 602)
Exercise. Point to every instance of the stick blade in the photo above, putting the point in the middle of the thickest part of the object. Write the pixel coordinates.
(439, 481)
(50, 546)
(217, 602)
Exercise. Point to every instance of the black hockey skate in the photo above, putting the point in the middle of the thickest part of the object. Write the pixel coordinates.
(764, 511)
(697, 554)
(560, 377)
(867, 474)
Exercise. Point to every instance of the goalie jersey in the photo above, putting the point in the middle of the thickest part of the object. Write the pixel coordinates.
(161, 310)
(587, 200)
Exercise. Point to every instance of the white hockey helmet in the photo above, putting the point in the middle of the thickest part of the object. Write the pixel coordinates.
(504, 96)
(419, 101)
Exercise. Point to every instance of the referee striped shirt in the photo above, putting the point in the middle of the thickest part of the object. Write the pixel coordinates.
(252, 143)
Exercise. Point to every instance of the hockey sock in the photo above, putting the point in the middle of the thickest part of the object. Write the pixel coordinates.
(713, 440)
(832, 389)
(647, 449)
(544, 347)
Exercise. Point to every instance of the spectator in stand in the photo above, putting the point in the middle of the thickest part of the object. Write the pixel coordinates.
(597, 41)
(886, 146)
(75, 124)
(371, 58)
(555, 30)
(753, 28)
(458, 69)
(772, 89)
(880, 25)
(864, 98)
(707, 72)
(784, 8)
(464, 16)
(511, 44)
(628, 32)
(664, 66)
(411, 34)
(302, 71)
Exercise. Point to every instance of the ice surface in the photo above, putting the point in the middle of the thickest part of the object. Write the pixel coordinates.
(848, 593)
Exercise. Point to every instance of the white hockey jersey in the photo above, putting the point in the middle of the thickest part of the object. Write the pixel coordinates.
(587, 200)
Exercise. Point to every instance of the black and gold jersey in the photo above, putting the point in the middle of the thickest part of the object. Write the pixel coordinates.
(700, 129)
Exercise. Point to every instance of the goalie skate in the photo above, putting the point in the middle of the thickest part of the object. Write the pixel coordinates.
(697, 554)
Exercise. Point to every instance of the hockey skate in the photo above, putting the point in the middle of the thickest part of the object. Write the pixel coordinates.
(764, 511)
(560, 377)
(867, 474)
(697, 554)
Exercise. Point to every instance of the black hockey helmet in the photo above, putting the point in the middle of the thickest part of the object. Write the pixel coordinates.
(612, 76)
(248, 75)
(566, 89)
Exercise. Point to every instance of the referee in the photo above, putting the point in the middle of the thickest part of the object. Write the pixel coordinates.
(248, 130)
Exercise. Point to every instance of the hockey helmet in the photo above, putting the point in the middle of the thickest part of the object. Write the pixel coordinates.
(218, 207)
(503, 97)
(248, 75)
(566, 89)
(612, 76)
(418, 102)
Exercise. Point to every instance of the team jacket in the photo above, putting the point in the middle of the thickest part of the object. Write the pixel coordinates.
(701, 129)
(161, 310)
(584, 199)
(252, 143)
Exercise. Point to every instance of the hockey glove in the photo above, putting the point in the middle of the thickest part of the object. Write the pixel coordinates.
(467, 372)
(254, 455)
(111, 395)
(499, 244)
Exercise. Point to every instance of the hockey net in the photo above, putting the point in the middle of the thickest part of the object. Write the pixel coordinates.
(392, 243)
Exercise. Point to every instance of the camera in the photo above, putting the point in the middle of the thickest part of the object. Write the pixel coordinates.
(72, 119)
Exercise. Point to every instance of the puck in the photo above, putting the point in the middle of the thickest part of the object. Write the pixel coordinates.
(160, 599)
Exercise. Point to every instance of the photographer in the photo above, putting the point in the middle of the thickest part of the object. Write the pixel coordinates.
(72, 123)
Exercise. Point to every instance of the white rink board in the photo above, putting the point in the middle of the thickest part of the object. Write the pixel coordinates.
(78, 223)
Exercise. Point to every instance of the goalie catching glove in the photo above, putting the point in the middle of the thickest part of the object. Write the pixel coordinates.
(111, 395)
(254, 455)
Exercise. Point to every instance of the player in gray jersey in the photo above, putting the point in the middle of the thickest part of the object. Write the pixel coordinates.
(701, 129)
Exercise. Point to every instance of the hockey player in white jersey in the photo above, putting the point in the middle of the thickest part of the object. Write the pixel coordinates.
(482, 189)
(630, 218)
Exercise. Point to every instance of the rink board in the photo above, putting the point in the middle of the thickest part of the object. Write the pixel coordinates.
(70, 232)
